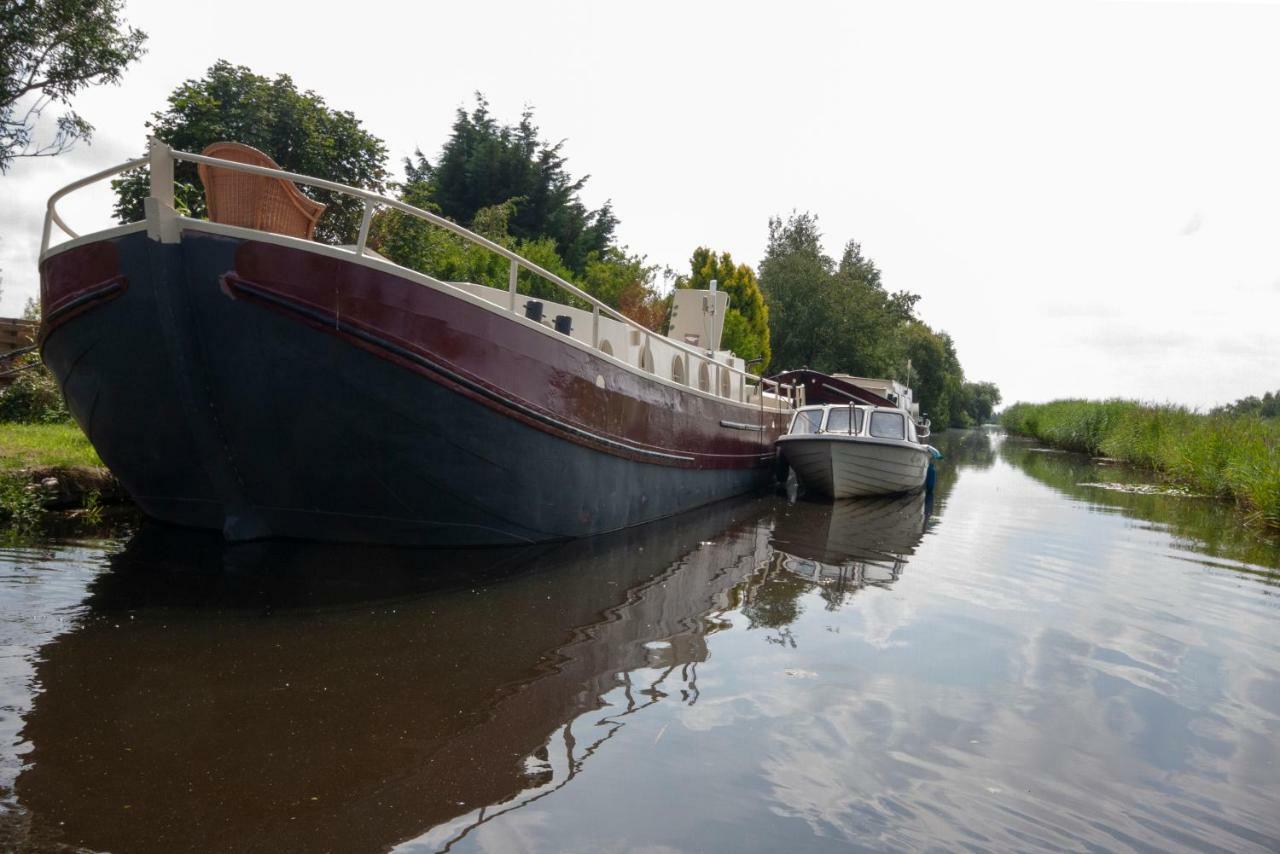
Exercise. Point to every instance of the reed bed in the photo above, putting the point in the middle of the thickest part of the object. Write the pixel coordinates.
(1235, 457)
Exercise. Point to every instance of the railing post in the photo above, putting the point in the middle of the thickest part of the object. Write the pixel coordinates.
(364, 226)
(595, 327)
(512, 277)
(160, 157)
(162, 220)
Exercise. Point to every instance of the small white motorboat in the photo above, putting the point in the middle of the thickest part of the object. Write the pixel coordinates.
(846, 450)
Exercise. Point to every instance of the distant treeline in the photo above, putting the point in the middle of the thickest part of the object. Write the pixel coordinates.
(505, 182)
(1227, 455)
(1267, 406)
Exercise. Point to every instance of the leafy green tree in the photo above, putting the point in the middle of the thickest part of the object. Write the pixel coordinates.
(49, 51)
(614, 276)
(746, 325)
(485, 163)
(980, 401)
(954, 384)
(929, 368)
(833, 317)
(862, 334)
(795, 276)
(839, 318)
(297, 129)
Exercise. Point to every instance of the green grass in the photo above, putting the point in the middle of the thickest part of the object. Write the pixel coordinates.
(1235, 457)
(24, 446)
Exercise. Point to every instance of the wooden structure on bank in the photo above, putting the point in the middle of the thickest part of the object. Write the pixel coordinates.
(16, 333)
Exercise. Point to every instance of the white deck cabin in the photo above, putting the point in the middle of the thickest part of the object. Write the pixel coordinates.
(892, 390)
(697, 319)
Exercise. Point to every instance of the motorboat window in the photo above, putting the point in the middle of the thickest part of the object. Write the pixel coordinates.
(887, 425)
(838, 420)
(807, 421)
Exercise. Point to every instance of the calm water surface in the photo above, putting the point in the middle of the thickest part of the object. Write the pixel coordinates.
(1029, 660)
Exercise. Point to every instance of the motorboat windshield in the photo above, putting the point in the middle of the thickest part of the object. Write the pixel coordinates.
(851, 420)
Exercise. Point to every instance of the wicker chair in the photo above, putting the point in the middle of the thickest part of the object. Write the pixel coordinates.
(255, 201)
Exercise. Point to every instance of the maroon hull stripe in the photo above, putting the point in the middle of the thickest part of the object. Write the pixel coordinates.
(83, 301)
(74, 281)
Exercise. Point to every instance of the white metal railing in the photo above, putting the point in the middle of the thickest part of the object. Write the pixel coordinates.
(161, 159)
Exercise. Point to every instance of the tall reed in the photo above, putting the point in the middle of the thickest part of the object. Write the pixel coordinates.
(1235, 457)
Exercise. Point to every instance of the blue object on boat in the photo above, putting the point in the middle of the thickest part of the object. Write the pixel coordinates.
(935, 453)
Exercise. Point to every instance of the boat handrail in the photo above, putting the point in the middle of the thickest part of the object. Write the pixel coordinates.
(161, 157)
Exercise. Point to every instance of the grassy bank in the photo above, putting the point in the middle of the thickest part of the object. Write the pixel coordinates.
(1233, 457)
(28, 446)
(44, 466)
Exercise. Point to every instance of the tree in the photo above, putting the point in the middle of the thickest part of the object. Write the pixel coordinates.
(839, 318)
(614, 276)
(980, 401)
(484, 163)
(481, 162)
(929, 368)
(297, 129)
(862, 334)
(827, 316)
(794, 277)
(746, 325)
(49, 51)
(1267, 406)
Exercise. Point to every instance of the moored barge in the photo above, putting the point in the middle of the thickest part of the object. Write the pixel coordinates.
(235, 374)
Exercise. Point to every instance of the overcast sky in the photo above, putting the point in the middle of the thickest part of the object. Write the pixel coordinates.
(1086, 195)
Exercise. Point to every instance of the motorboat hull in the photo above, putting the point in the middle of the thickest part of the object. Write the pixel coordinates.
(267, 387)
(852, 466)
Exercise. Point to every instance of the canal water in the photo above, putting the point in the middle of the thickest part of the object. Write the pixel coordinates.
(1047, 653)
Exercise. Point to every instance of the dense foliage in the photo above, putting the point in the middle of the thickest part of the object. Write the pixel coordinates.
(32, 396)
(1234, 456)
(484, 163)
(531, 207)
(837, 317)
(297, 129)
(1267, 406)
(49, 51)
(980, 401)
(746, 324)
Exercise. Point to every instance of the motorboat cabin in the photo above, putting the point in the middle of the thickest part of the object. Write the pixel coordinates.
(845, 450)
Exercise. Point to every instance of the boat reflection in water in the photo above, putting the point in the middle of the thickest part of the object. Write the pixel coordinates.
(850, 544)
(256, 698)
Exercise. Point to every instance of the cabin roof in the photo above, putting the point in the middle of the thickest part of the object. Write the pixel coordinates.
(823, 388)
